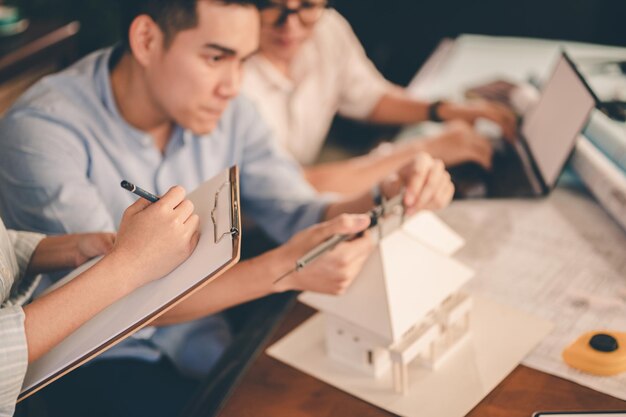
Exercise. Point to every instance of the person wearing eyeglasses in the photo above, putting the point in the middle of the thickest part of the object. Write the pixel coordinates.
(311, 66)
(163, 108)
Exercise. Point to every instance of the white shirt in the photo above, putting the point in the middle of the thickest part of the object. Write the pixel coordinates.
(330, 74)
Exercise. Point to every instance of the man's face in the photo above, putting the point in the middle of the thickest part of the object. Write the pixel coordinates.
(283, 39)
(193, 79)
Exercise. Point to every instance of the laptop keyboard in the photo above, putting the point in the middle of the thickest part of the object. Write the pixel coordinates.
(508, 178)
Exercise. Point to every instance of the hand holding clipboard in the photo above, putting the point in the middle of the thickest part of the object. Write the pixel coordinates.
(216, 203)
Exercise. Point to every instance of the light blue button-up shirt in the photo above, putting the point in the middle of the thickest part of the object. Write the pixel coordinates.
(64, 148)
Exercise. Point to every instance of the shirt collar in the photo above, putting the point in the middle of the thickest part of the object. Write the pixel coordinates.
(103, 84)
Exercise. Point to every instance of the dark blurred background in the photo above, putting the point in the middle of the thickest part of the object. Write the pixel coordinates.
(398, 35)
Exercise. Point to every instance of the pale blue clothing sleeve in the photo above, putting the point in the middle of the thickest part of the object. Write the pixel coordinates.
(45, 171)
(274, 191)
(64, 148)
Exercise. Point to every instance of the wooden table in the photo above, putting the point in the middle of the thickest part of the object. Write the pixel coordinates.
(271, 388)
(46, 46)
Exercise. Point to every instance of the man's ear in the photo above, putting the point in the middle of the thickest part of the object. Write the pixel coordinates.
(145, 39)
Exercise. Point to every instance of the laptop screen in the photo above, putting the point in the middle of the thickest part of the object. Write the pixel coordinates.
(551, 128)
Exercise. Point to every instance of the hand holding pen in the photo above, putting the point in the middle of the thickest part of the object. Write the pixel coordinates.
(334, 268)
(157, 234)
(387, 207)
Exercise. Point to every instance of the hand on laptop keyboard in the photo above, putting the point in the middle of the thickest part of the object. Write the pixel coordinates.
(492, 132)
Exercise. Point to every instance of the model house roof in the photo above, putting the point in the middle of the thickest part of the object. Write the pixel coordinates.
(408, 275)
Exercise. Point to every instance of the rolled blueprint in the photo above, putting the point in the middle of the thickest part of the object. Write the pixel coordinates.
(608, 136)
(602, 177)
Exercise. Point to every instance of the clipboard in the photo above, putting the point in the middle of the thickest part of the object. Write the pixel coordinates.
(217, 203)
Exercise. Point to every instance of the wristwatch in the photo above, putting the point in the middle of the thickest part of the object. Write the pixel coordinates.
(433, 111)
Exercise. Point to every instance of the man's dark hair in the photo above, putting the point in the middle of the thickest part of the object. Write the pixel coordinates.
(172, 16)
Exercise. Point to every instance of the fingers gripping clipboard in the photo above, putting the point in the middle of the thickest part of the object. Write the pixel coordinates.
(216, 202)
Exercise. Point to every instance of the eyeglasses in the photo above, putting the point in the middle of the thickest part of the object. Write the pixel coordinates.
(276, 13)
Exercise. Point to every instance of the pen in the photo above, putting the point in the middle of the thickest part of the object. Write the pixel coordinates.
(139, 191)
(318, 251)
(375, 214)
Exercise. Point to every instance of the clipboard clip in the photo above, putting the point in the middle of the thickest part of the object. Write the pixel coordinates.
(233, 213)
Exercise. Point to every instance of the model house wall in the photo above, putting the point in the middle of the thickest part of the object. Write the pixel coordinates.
(409, 283)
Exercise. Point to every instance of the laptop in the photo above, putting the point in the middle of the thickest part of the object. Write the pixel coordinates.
(546, 138)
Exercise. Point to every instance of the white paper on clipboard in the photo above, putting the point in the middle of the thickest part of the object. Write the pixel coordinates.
(216, 202)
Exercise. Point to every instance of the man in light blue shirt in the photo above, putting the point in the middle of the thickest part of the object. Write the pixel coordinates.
(162, 110)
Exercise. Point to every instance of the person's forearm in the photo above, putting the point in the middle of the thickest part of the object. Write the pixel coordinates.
(364, 202)
(246, 281)
(397, 108)
(357, 205)
(56, 315)
(54, 253)
(358, 175)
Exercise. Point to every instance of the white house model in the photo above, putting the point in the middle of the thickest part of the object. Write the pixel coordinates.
(405, 305)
